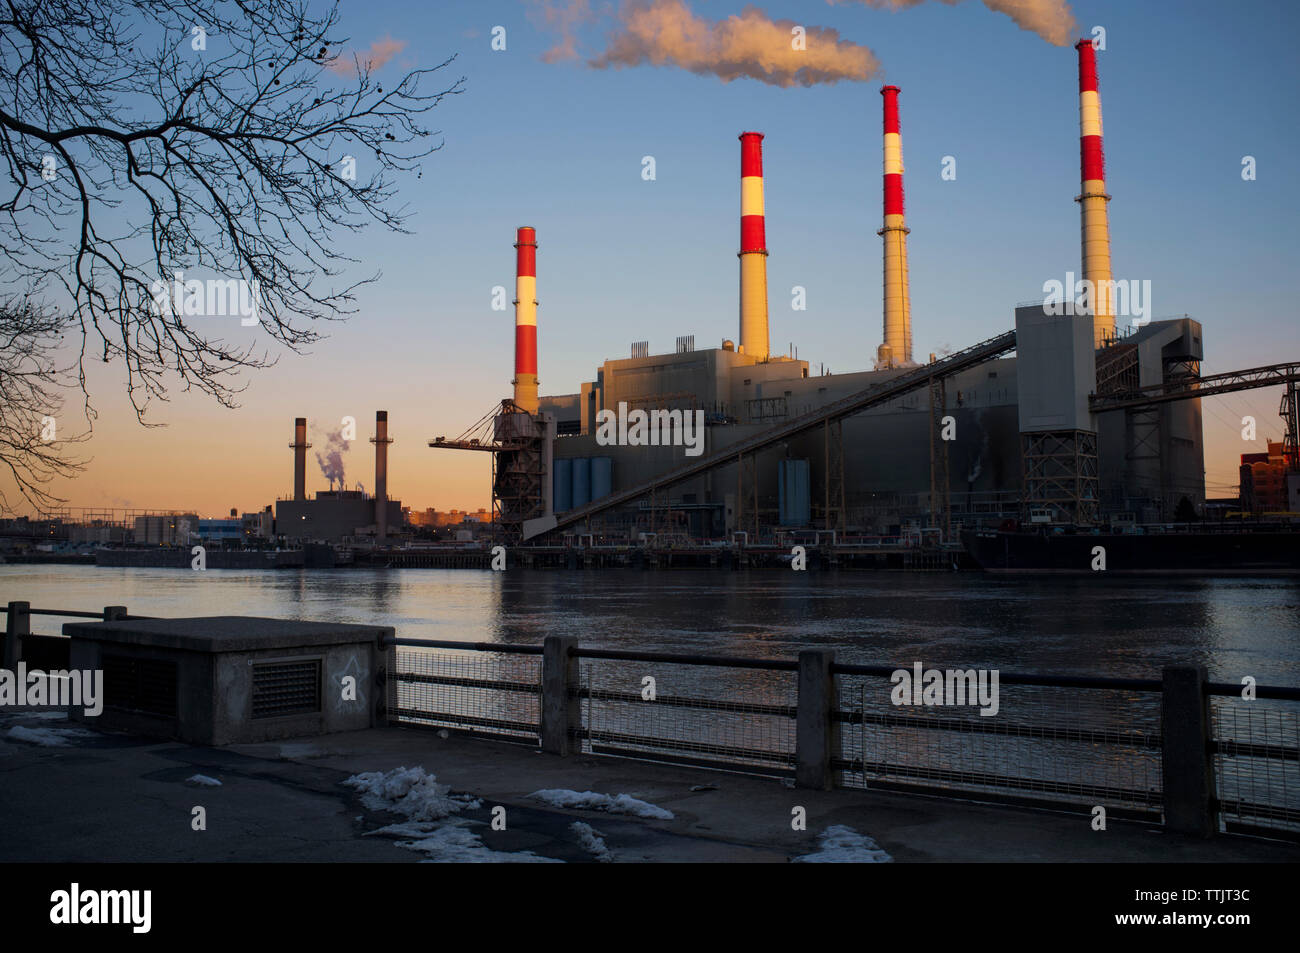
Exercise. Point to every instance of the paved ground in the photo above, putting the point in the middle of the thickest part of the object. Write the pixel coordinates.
(112, 797)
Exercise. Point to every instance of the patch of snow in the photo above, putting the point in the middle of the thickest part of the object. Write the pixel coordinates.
(48, 737)
(204, 780)
(453, 843)
(409, 791)
(428, 807)
(844, 845)
(591, 801)
(593, 841)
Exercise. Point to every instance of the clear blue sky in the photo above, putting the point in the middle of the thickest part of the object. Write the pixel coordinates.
(1187, 89)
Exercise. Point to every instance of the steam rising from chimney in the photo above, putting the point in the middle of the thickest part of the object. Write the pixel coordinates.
(668, 33)
(1050, 19)
(330, 458)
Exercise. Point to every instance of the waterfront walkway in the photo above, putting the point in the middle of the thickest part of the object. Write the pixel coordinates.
(115, 797)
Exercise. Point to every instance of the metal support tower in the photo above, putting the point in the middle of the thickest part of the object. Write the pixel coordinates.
(1060, 474)
(1290, 414)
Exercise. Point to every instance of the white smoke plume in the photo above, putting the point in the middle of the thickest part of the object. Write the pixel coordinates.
(330, 457)
(1050, 19)
(751, 44)
(564, 17)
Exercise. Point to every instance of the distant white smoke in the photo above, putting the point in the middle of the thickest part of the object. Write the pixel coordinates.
(1050, 19)
(330, 457)
(563, 16)
(750, 44)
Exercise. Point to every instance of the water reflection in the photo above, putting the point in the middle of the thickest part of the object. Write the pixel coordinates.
(1122, 627)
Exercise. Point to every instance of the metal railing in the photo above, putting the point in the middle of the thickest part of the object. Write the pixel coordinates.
(44, 651)
(1225, 755)
(1256, 762)
(739, 716)
(1067, 743)
(1057, 742)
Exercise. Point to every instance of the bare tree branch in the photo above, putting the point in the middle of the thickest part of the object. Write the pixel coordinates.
(128, 155)
(34, 436)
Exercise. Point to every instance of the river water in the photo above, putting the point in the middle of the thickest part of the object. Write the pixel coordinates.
(1082, 626)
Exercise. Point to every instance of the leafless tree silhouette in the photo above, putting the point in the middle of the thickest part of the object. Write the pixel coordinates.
(32, 449)
(139, 138)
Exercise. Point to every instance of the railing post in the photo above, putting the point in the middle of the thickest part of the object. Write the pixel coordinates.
(1188, 766)
(18, 622)
(561, 709)
(814, 727)
(112, 613)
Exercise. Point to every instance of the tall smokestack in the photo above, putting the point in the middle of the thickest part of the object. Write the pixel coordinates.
(299, 447)
(381, 442)
(526, 319)
(753, 249)
(1093, 198)
(897, 345)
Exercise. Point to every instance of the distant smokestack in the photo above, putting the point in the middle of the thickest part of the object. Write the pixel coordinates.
(897, 345)
(753, 249)
(526, 319)
(1093, 198)
(381, 442)
(299, 447)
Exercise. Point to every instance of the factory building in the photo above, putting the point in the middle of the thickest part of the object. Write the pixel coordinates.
(1004, 423)
(166, 530)
(337, 514)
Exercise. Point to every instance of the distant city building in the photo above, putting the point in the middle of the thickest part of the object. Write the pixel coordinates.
(1264, 483)
(259, 525)
(436, 518)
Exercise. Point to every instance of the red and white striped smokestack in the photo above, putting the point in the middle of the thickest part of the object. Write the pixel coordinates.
(1093, 198)
(299, 447)
(526, 319)
(897, 345)
(381, 442)
(753, 249)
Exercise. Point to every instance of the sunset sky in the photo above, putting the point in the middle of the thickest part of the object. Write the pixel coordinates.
(546, 139)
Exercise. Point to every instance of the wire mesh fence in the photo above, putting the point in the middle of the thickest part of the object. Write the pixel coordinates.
(482, 692)
(1065, 745)
(1075, 746)
(1256, 762)
(736, 718)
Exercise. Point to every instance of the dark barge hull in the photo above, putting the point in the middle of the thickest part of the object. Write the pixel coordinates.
(1229, 553)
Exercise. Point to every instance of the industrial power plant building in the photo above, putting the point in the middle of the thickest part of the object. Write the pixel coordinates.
(337, 514)
(977, 444)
